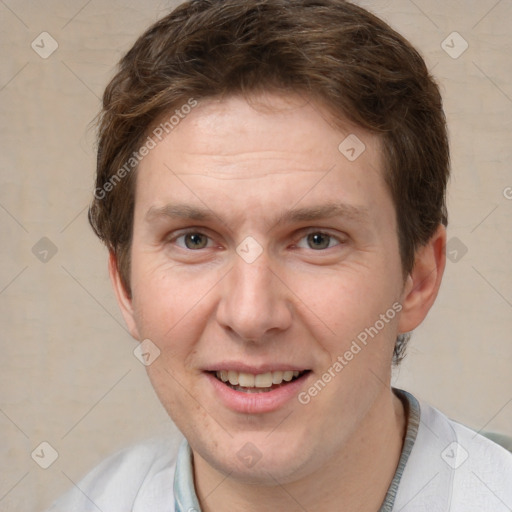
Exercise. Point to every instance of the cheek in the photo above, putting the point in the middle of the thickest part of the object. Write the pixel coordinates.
(171, 307)
(175, 393)
(341, 297)
(341, 305)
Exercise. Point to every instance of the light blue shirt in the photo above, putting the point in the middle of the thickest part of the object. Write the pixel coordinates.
(443, 466)
(184, 492)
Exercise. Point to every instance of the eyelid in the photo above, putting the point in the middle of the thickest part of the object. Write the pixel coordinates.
(189, 231)
(341, 238)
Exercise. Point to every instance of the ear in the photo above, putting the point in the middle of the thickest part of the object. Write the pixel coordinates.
(123, 297)
(422, 284)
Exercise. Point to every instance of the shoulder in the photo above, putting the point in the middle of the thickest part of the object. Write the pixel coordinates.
(137, 478)
(483, 481)
(470, 444)
(460, 468)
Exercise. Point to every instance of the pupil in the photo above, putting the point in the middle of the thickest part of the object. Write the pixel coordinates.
(319, 240)
(195, 241)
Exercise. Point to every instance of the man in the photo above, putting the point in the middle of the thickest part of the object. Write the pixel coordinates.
(271, 187)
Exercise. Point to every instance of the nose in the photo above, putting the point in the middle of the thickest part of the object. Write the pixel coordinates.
(255, 303)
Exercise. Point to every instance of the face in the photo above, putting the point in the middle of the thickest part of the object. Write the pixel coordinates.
(260, 254)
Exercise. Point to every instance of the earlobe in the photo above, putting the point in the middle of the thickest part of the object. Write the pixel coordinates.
(422, 284)
(123, 298)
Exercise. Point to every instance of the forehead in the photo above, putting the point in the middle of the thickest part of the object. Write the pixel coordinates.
(271, 149)
(269, 124)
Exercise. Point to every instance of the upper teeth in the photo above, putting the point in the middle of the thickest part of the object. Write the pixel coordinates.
(261, 380)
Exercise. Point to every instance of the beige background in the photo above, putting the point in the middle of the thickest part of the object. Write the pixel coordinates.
(68, 375)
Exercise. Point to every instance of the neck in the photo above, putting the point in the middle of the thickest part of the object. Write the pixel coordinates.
(356, 479)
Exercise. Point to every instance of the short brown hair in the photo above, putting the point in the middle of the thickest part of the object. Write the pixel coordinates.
(332, 51)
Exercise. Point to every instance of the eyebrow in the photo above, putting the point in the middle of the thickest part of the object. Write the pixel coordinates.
(324, 211)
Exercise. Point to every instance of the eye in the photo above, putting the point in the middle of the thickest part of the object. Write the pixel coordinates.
(317, 241)
(192, 241)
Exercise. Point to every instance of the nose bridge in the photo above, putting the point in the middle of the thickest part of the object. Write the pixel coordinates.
(253, 300)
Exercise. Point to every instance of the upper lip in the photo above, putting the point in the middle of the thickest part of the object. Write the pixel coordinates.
(254, 369)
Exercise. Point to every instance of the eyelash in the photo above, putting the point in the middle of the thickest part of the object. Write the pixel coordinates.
(323, 233)
(303, 235)
(190, 232)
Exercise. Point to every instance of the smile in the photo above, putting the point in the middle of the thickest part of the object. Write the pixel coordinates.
(259, 383)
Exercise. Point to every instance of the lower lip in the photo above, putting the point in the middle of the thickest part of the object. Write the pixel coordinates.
(256, 403)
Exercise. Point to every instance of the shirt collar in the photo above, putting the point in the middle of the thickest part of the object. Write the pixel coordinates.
(185, 498)
(412, 414)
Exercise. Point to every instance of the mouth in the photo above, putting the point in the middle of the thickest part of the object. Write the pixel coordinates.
(258, 383)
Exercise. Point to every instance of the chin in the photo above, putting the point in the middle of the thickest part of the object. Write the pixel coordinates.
(256, 459)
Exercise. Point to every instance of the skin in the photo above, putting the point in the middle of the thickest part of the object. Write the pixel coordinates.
(248, 164)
